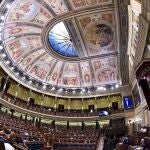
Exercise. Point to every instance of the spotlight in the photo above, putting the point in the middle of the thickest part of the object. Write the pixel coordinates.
(7, 62)
(17, 73)
(100, 88)
(112, 87)
(30, 81)
(23, 77)
(73, 91)
(44, 87)
(1, 47)
(60, 90)
(89, 91)
(3, 55)
(12, 68)
(8, 6)
(104, 88)
(2, 17)
(53, 88)
(117, 86)
(83, 90)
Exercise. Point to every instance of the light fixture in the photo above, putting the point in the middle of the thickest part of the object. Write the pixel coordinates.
(44, 87)
(73, 91)
(17, 73)
(23, 77)
(104, 88)
(8, 6)
(60, 90)
(12, 68)
(3, 55)
(112, 87)
(100, 88)
(89, 91)
(1, 47)
(83, 90)
(2, 17)
(117, 86)
(7, 62)
(53, 88)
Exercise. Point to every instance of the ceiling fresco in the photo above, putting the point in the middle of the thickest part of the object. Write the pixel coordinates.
(53, 58)
(99, 32)
(86, 3)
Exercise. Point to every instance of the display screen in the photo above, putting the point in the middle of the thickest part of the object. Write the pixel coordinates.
(128, 102)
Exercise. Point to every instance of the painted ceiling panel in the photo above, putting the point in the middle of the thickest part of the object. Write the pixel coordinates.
(42, 67)
(29, 11)
(25, 63)
(20, 46)
(55, 76)
(87, 3)
(70, 77)
(58, 6)
(99, 32)
(105, 70)
(86, 74)
(15, 29)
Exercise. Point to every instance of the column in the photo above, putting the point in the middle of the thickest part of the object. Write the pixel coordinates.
(82, 106)
(26, 117)
(148, 114)
(143, 117)
(68, 105)
(5, 83)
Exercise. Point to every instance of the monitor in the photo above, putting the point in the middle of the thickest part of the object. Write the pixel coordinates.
(128, 102)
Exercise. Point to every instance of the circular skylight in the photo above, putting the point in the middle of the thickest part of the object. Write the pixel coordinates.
(61, 42)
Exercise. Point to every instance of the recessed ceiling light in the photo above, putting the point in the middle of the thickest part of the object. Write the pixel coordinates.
(117, 85)
(12, 68)
(7, 62)
(83, 90)
(3, 55)
(60, 89)
(17, 73)
(1, 47)
(104, 88)
(44, 87)
(112, 87)
(100, 88)
(53, 88)
(8, 6)
(89, 91)
(2, 17)
(30, 81)
(23, 77)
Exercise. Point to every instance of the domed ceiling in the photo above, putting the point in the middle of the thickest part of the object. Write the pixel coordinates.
(62, 43)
